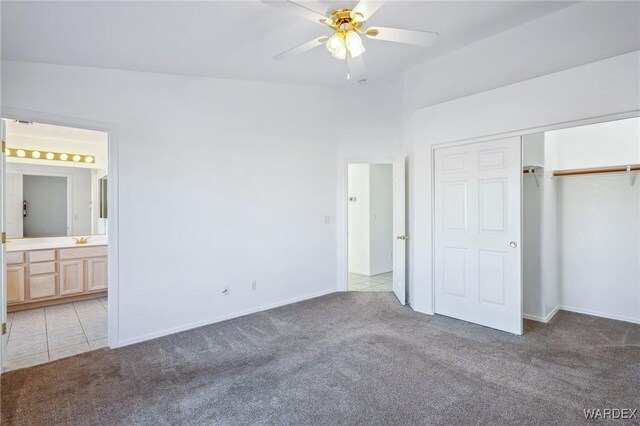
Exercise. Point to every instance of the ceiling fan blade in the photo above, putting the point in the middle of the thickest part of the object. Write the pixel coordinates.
(418, 38)
(302, 48)
(364, 9)
(356, 69)
(301, 10)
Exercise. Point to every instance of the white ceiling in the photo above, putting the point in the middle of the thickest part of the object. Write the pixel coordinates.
(238, 39)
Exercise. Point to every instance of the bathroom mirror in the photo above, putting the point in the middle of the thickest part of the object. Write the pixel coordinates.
(45, 203)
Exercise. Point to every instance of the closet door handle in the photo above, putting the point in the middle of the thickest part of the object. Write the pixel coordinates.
(513, 244)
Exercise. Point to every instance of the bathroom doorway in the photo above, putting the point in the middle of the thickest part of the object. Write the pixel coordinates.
(56, 253)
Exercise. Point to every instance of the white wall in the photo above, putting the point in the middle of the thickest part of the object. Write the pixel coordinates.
(370, 218)
(614, 143)
(610, 86)
(80, 202)
(220, 182)
(599, 264)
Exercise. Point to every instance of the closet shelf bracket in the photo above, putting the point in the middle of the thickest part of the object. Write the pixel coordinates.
(532, 170)
(632, 175)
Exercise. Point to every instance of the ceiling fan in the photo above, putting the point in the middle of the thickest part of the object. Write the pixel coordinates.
(348, 27)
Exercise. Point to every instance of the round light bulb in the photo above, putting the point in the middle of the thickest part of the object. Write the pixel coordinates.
(50, 156)
(354, 44)
(21, 153)
(76, 158)
(64, 157)
(88, 159)
(35, 154)
(336, 46)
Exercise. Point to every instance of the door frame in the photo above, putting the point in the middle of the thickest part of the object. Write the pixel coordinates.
(343, 219)
(514, 133)
(111, 129)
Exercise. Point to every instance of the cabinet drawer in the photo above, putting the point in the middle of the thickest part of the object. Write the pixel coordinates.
(42, 286)
(42, 256)
(76, 253)
(15, 257)
(42, 268)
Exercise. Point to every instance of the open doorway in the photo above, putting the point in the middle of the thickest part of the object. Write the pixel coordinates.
(370, 227)
(56, 251)
(581, 222)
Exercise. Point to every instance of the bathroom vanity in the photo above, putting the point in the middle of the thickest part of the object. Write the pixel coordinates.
(42, 272)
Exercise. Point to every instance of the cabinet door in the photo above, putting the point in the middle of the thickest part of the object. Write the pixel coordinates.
(71, 277)
(97, 274)
(42, 286)
(15, 284)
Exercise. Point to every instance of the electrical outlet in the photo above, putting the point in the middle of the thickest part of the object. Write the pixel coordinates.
(254, 285)
(227, 290)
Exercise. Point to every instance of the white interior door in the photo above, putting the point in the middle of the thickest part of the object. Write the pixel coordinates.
(399, 229)
(3, 263)
(477, 248)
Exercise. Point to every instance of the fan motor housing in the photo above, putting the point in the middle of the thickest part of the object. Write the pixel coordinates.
(343, 17)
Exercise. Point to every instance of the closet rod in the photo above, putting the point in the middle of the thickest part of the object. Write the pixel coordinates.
(615, 169)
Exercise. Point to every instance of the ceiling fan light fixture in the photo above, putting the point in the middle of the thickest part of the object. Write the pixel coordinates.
(337, 46)
(354, 44)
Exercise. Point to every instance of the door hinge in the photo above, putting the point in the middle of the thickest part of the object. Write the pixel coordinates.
(4, 146)
(4, 238)
(4, 328)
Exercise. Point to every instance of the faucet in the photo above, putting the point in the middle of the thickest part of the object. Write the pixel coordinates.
(82, 240)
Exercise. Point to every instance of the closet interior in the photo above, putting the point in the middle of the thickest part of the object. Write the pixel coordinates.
(581, 221)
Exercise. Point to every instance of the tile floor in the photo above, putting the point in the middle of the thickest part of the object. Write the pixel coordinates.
(382, 282)
(40, 335)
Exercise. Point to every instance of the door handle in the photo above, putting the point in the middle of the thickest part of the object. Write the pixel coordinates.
(513, 244)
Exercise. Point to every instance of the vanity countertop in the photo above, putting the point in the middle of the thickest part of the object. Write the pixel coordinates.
(26, 244)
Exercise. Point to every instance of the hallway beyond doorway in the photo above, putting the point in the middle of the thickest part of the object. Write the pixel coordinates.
(380, 282)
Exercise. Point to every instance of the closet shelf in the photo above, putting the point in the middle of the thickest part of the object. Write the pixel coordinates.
(595, 170)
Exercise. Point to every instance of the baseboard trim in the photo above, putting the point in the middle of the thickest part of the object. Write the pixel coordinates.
(552, 314)
(214, 320)
(579, 311)
(546, 319)
(533, 318)
(600, 314)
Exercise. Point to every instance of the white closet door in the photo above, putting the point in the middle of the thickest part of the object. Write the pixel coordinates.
(477, 234)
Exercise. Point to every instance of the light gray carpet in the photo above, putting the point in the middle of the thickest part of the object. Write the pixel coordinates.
(346, 358)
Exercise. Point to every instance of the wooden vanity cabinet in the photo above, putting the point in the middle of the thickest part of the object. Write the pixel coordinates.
(46, 277)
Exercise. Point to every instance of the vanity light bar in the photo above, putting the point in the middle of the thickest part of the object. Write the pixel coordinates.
(49, 155)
